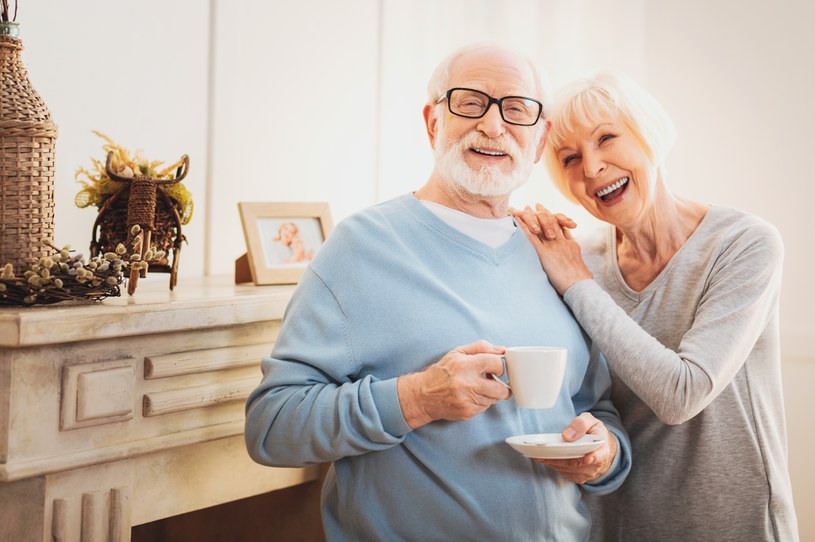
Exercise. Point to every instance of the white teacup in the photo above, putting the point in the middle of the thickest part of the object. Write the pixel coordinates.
(535, 374)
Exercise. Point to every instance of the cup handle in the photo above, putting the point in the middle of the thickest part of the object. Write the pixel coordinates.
(497, 378)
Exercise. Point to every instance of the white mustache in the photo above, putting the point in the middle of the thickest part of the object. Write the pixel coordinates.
(503, 143)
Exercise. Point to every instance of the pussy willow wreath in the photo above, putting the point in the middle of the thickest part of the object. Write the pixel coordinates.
(65, 276)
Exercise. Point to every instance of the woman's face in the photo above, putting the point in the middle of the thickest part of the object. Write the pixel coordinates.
(608, 170)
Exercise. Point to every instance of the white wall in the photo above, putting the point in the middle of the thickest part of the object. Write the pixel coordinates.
(321, 100)
(295, 110)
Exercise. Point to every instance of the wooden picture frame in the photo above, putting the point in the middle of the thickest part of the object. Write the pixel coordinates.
(281, 238)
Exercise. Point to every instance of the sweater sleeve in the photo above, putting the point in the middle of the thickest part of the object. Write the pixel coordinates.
(739, 300)
(315, 409)
(594, 398)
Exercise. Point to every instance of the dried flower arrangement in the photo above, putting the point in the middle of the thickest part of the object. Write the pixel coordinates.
(129, 191)
(97, 186)
(64, 276)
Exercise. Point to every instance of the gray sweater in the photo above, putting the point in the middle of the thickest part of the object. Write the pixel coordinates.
(695, 363)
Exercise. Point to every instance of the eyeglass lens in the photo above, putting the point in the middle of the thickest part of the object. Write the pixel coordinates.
(474, 104)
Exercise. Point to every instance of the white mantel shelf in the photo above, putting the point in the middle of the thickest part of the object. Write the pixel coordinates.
(130, 410)
(196, 302)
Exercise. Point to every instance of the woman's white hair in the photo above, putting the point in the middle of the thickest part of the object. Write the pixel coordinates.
(609, 93)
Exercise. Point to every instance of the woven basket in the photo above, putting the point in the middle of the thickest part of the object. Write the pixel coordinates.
(27, 138)
(112, 228)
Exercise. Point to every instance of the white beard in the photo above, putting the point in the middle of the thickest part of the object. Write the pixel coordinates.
(487, 180)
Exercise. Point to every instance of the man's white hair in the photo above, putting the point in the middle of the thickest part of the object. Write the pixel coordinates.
(440, 79)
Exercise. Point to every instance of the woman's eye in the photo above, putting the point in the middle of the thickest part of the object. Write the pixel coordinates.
(568, 160)
(606, 137)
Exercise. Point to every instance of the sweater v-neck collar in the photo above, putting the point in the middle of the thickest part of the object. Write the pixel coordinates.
(427, 217)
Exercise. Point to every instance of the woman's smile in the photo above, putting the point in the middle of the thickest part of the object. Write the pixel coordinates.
(612, 192)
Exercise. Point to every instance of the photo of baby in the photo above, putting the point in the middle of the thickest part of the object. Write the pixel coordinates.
(290, 241)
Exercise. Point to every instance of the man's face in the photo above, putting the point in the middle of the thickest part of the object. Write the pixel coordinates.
(486, 156)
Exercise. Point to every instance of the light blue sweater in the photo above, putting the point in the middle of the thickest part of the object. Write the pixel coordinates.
(391, 292)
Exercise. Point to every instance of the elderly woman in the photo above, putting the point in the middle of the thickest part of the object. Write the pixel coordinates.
(682, 297)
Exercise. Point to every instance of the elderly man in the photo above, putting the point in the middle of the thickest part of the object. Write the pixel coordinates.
(368, 372)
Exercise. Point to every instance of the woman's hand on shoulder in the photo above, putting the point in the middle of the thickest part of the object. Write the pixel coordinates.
(541, 221)
(558, 252)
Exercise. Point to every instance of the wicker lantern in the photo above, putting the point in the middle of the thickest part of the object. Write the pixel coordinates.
(27, 139)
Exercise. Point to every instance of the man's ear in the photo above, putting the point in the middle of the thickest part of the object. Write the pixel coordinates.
(547, 124)
(431, 123)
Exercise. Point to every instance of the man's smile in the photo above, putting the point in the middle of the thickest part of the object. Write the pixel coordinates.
(487, 152)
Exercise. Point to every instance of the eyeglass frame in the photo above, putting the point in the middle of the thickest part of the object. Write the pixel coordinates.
(490, 101)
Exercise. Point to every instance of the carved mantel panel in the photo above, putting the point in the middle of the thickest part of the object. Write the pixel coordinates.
(96, 399)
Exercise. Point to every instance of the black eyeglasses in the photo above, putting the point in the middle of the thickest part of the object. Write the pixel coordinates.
(474, 104)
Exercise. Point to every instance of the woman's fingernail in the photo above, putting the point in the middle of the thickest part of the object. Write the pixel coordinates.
(569, 432)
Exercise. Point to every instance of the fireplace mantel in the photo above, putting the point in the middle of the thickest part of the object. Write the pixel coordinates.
(131, 410)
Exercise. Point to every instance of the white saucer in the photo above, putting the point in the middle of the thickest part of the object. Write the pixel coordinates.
(552, 446)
